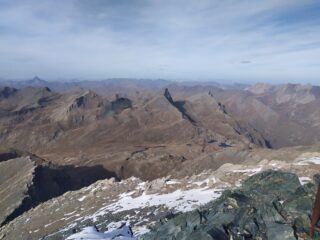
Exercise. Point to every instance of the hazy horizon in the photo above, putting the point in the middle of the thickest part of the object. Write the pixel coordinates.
(179, 81)
(233, 41)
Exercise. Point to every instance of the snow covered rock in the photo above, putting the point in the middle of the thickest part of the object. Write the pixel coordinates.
(123, 233)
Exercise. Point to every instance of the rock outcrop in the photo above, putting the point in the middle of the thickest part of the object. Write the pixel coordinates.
(142, 204)
(269, 205)
(26, 181)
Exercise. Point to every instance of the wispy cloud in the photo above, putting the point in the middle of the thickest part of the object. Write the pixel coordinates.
(237, 40)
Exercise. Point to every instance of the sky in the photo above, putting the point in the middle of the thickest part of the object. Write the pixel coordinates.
(230, 40)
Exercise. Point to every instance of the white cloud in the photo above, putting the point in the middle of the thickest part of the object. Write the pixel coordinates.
(170, 39)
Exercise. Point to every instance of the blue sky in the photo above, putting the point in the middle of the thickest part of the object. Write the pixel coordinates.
(236, 40)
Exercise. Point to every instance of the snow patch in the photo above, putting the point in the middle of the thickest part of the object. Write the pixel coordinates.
(82, 198)
(123, 233)
(313, 160)
(304, 180)
(248, 171)
(139, 231)
(181, 201)
(172, 182)
(70, 213)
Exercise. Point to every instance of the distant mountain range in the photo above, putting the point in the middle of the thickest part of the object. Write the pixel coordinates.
(104, 87)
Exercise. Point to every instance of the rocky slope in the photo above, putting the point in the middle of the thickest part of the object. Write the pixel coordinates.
(27, 180)
(283, 115)
(269, 205)
(144, 205)
(126, 137)
(286, 115)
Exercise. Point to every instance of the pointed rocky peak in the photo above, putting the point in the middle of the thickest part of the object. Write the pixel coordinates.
(88, 98)
(160, 101)
(208, 99)
(37, 79)
(213, 98)
(36, 82)
(210, 94)
(47, 89)
(221, 106)
(168, 95)
(90, 94)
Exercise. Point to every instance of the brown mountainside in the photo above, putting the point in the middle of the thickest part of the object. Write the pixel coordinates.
(125, 136)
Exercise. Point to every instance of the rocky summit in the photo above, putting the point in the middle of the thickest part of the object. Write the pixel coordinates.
(269, 205)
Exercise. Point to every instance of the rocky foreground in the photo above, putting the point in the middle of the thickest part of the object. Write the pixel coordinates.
(276, 199)
(268, 205)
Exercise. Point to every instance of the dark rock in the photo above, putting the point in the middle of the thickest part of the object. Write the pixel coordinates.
(270, 205)
(6, 92)
(317, 179)
(120, 104)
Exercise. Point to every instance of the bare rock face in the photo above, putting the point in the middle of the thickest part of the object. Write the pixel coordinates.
(168, 95)
(87, 100)
(26, 181)
(16, 177)
(120, 104)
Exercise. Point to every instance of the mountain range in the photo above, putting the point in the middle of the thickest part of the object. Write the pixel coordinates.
(58, 137)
